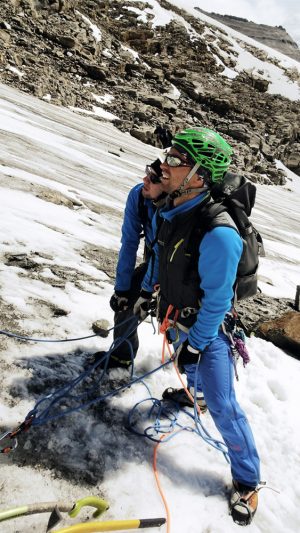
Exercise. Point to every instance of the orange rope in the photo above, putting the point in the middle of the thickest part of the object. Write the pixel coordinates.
(163, 329)
(163, 349)
(168, 520)
(165, 325)
(165, 342)
(186, 389)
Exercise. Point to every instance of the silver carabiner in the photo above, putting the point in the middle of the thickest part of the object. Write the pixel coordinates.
(13, 440)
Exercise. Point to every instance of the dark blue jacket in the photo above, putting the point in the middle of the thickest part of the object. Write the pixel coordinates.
(132, 230)
(219, 254)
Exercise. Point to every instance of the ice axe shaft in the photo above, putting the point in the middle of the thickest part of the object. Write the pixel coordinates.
(113, 525)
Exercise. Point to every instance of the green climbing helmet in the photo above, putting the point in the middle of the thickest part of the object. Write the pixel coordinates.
(206, 147)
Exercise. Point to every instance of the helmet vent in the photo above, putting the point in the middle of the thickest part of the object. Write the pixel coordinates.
(206, 147)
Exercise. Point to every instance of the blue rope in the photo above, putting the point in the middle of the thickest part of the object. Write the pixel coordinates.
(55, 397)
(64, 391)
(43, 419)
(200, 429)
(163, 411)
(160, 410)
(26, 338)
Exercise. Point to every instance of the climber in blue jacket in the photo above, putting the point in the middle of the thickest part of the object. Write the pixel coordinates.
(141, 204)
(195, 264)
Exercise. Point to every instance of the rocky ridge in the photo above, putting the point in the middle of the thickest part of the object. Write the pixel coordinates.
(274, 37)
(68, 52)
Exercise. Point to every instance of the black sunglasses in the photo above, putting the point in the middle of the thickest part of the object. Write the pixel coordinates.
(151, 174)
(175, 161)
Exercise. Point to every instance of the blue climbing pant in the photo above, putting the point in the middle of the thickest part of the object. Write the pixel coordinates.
(216, 379)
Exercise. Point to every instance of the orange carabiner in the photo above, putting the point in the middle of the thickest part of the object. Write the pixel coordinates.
(165, 325)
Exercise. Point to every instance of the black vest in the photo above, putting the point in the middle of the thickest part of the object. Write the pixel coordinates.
(179, 242)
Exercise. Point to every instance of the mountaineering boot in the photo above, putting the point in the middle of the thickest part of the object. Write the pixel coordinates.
(180, 396)
(243, 503)
(113, 362)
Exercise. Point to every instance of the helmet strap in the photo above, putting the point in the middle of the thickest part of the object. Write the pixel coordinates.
(178, 193)
(181, 191)
(190, 191)
(189, 176)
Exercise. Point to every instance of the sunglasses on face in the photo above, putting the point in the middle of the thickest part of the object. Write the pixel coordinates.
(175, 161)
(151, 174)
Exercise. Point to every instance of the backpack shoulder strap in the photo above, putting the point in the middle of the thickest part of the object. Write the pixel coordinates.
(214, 215)
(143, 211)
(210, 216)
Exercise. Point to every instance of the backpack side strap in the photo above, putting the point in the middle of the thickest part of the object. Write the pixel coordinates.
(216, 215)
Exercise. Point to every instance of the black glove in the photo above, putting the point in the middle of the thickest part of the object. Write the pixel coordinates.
(186, 354)
(143, 304)
(119, 301)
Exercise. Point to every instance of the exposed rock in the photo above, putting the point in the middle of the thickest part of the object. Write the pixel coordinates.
(58, 311)
(143, 134)
(71, 50)
(261, 308)
(284, 332)
(11, 321)
(57, 198)
(260, 84)
(273, 319)
(65, 41)
(102, 258)
(291, 157)
(101, 328)
(94, 71)
(240, 132)
(20, 261)
(155, 101)
(5, 37)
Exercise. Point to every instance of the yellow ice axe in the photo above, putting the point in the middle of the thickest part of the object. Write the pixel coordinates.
(113, 525)
(55, 508)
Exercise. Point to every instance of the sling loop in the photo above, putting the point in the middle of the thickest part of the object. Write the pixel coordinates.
(165, 326)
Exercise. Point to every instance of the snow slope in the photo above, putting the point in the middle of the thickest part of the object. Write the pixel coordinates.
(92, 164)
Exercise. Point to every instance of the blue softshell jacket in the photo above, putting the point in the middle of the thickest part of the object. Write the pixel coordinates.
(219, 254)
(132, 229)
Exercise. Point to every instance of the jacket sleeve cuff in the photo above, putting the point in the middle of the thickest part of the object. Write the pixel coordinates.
(146, 294)
(124, 294)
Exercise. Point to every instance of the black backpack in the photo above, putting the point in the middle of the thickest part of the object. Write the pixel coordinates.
(230, 204)
(236, 196)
